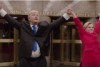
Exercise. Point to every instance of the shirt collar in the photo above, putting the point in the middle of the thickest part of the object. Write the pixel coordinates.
(35, 26)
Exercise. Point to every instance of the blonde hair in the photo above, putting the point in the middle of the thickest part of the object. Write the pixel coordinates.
(86, 24)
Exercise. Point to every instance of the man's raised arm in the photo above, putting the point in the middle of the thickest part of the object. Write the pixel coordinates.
(8, 18)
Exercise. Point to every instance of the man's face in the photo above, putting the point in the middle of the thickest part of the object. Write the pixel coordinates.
(34, 17)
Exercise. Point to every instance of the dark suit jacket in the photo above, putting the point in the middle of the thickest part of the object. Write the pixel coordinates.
(27, 37)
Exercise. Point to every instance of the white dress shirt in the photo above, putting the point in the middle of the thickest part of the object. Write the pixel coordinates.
(37, 52)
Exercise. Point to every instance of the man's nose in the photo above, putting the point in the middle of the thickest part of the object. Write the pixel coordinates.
(35, 16)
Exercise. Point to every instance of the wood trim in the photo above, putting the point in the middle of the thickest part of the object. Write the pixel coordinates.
(2, 64)
(58, 62)
(66, 41)
(15, 46)
(71, 63)
(6, 40)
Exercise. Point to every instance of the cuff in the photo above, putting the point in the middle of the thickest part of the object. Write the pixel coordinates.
(3, 12)
(65, 15)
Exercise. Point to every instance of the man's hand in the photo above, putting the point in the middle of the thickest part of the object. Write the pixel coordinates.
(2, 11)
(69, 12)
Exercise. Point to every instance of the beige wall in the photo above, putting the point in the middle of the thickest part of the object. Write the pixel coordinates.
(54, 8)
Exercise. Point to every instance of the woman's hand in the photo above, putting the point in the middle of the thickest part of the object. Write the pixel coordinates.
(99, 14)
(70, 12)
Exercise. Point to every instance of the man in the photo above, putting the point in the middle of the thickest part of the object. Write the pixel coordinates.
(33, 37)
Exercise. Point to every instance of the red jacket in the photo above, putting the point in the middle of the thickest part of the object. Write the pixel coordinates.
(90, 43)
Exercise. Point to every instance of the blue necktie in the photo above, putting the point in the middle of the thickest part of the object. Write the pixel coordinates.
(35, 43)
(34, 46)
(34, 29)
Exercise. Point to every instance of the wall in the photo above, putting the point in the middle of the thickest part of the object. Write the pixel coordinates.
(53, 8)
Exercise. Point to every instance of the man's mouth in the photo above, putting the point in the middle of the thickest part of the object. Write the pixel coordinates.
(35, 19)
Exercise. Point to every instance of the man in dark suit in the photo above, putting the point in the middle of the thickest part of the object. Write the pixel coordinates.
(33, 38)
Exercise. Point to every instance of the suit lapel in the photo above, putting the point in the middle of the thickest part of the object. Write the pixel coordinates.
(40, 41)
(28, 28)
(37, 32)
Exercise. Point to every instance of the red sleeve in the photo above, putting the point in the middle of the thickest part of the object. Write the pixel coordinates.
(97, 27)
(79, 25)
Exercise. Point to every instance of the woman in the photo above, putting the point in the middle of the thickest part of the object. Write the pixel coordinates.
(89, 37)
